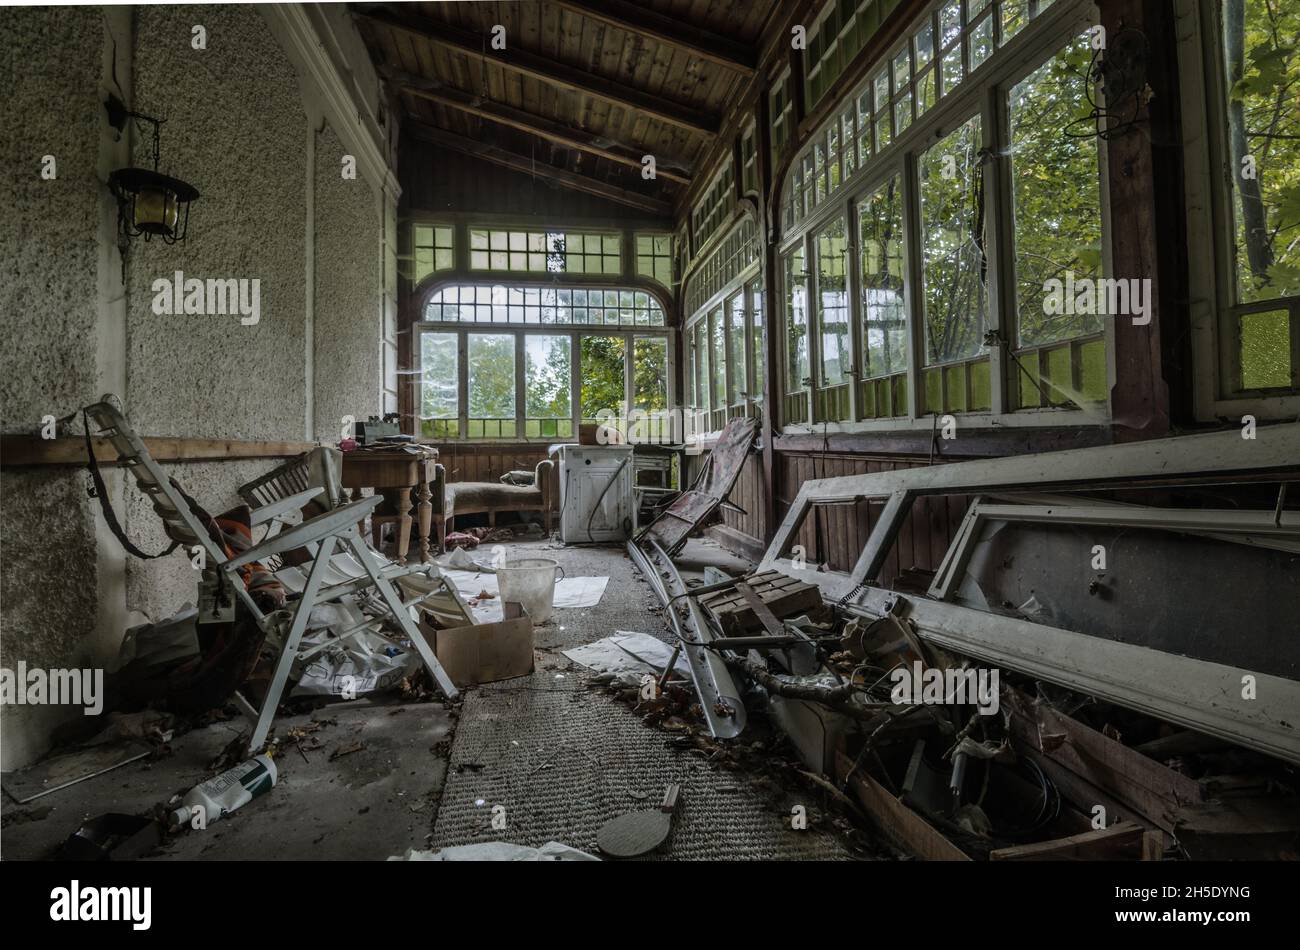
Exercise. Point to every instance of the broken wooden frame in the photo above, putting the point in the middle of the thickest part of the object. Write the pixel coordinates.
(1197, 694)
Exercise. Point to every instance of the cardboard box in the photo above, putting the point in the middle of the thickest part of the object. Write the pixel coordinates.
(484, 652)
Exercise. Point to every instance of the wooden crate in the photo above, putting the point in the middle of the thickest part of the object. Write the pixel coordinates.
(784, 596)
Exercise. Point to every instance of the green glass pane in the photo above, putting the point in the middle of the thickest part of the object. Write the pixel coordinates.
(1060, 375)
(1265, 350)
(899, 387)
(980, 390)
(933, 390)
(1027, 376)
(955, 381)
(1092, 370)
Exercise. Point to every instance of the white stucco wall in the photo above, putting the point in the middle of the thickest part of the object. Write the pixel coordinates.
(248, 125)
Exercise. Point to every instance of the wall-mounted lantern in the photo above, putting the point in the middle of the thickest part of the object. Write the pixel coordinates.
(148, 203)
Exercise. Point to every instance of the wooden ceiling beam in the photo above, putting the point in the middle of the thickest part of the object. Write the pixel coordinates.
(502, 114)
(550, 71)
(713, 47)
(528, 166)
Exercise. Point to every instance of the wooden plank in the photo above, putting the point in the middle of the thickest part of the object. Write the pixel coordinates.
(26, 450)
(525, 164)
(633, 18)
(898, 822)
(523, 121)
(552, 72)
(761, 610)
(1123, 840)
(1145, 784)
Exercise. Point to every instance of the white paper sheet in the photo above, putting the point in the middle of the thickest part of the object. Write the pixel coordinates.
(625, 651)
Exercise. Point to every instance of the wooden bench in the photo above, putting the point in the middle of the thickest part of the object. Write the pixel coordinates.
(467, 498)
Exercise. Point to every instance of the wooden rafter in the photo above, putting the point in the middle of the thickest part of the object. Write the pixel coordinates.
(502, 114)
(526, 165)
(544, 69)
(631, 17)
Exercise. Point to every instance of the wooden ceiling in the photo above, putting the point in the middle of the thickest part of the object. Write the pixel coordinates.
(583, 89)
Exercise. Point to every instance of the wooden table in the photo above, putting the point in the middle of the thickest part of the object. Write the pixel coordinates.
(404, 472)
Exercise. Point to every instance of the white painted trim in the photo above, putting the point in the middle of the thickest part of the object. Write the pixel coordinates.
(294, 27)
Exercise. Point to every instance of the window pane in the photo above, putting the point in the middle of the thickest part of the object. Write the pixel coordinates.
(701, 365)
(491, 360)
(547, 367)
(1056, 198)
(439, 385)
(736, 349)
(650, 372)
(603, 376)
(952, 245)
(1266, 350)
(717, 359)
(796, 320)
(880, 246)
(833, 302)
(1262, 65)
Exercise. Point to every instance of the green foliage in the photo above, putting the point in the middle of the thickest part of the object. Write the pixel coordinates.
(1262, 67)
(952, 250)
(1056, 192)
(602, 375)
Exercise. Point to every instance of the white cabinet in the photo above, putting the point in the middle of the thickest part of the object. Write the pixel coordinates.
(596, 500)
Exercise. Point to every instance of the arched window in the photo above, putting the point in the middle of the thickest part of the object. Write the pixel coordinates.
(519, 361)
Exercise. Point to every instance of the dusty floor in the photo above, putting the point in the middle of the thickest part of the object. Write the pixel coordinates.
(558, 757)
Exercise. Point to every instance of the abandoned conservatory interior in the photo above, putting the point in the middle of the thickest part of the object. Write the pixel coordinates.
(673, 429)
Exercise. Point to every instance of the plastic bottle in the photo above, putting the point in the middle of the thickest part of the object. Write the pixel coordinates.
(224, 793)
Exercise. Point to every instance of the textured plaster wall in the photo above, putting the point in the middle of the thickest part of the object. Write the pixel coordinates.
(238, 129)
(237, 132)
(347, 292)
(48, 568)
(56, 94)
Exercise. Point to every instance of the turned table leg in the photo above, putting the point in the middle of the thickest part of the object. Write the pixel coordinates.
(426, 520)
(404, 530)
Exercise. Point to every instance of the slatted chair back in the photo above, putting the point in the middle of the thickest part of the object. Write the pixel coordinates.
(318, 468)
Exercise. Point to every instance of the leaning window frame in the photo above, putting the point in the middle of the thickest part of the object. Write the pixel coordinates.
(1210, 241)
(520, 331)
(982, 93)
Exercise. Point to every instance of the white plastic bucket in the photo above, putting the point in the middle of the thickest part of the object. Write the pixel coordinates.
(530, 582)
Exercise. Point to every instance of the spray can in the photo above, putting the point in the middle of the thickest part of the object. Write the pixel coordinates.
(224, 793)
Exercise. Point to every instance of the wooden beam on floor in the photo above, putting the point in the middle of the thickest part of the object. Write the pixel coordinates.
(514, 118)
(544, 69)
(633, 18)
(526, 165)
(1124, 840)
(898, 821)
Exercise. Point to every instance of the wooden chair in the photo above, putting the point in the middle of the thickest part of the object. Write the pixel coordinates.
(335, 530)
(317, 468)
